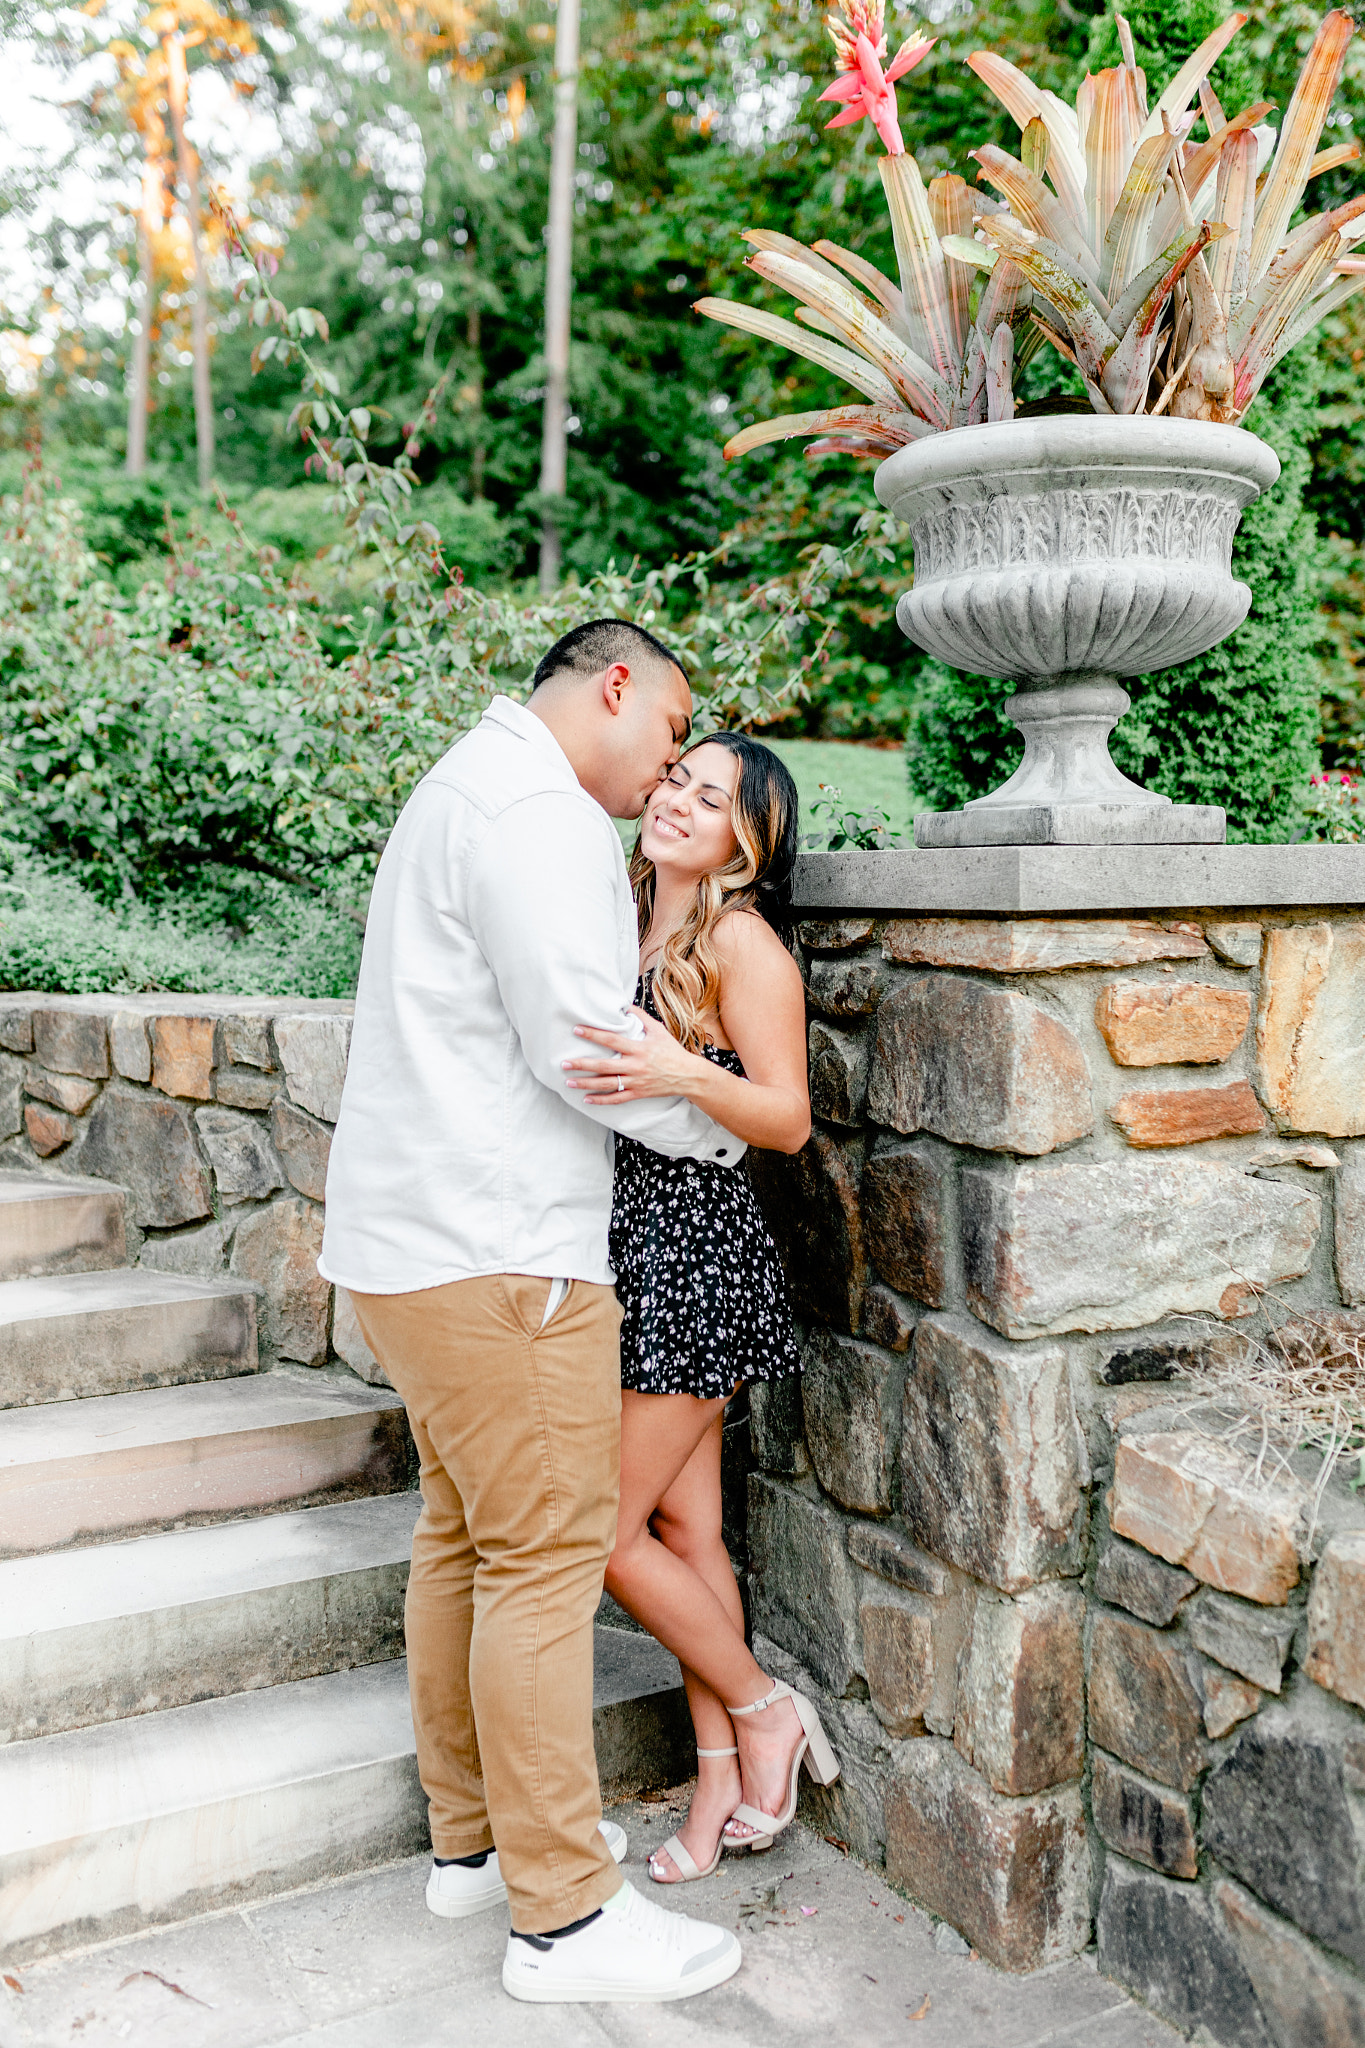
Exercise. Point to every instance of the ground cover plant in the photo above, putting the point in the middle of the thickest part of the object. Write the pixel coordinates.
(272, 940)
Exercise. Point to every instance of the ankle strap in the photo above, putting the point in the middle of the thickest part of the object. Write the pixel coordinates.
(718, 1752)
(779, 1692)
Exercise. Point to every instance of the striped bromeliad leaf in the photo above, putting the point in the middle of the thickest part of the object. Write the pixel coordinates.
(1164, 267)
(1131, 194)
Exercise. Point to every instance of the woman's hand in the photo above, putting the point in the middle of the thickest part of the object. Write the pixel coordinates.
(631, 1069)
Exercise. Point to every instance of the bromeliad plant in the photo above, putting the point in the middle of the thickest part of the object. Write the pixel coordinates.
(1162, 267)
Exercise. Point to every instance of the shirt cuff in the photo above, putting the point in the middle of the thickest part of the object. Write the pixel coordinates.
(728, 1150)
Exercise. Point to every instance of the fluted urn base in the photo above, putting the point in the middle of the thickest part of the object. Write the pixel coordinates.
(1062, 554)
(1074, 825)
(1066, 791)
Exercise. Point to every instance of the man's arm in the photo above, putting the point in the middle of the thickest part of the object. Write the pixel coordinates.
(544, 907)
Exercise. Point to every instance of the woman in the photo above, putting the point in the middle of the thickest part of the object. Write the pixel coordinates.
(705, 1307)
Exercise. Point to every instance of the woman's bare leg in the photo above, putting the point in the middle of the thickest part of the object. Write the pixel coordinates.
(659, 1435)
(695, 1612)
(687, 1522)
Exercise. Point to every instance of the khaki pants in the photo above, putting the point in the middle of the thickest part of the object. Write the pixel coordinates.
(519, 1434)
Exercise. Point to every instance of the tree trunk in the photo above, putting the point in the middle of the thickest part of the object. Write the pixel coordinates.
(558, 287)
(140, 380)
(473, 334)
(178, 92)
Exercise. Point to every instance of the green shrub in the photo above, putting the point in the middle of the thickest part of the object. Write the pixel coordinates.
(961, 744)
(55, 935)
(225, 714)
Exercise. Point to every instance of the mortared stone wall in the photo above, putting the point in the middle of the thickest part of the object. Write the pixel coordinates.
(1095, 1664)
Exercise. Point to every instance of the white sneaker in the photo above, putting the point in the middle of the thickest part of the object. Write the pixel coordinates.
(455, 1890)
(633, 1951)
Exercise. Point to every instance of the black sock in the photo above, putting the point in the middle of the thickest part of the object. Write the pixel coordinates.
(542, 1941)
(465, 1862)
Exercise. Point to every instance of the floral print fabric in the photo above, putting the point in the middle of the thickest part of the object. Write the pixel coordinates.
(698, 1277)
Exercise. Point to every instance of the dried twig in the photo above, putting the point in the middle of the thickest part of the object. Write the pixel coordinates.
(166, 1983)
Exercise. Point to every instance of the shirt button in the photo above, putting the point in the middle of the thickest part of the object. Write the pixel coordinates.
(721, 1153)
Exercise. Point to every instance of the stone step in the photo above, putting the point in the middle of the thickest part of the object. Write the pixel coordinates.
(78, 1472)
(52, 1225)
(80, 1335)
(192, 1614)
(104, 1830)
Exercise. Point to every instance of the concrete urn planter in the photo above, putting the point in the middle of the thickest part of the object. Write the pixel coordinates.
(1063, 554)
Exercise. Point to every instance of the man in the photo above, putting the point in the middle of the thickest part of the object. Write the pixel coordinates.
(468, 1197)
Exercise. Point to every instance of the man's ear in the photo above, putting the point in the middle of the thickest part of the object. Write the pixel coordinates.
(615, 682)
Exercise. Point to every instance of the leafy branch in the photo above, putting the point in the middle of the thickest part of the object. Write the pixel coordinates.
(744, 646)
(208, 720)
(869, 831)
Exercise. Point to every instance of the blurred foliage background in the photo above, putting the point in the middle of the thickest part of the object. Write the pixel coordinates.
(397, 162)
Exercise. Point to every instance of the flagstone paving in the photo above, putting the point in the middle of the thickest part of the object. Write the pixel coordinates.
(360, 1963)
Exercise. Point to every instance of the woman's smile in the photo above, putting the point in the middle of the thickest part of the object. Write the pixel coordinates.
(692, 810)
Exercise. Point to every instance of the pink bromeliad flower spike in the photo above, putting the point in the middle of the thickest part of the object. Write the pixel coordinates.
(859, 37)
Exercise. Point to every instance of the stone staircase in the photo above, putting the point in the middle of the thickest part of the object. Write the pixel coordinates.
(202, 1567)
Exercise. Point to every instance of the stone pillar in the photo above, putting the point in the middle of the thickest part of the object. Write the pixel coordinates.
(1080, 1113)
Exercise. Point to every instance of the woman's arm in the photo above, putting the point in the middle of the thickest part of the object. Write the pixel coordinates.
(551, 933)
(763, 1011)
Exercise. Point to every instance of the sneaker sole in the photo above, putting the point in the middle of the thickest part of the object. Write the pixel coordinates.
(591, 1991)
(465, 1909)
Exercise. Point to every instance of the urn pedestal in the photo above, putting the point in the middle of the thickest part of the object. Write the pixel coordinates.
(1065, 554)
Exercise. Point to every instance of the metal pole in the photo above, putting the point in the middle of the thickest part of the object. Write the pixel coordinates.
(177, 96)
(558, 287)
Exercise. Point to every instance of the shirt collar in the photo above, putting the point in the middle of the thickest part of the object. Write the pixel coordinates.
(505, 711)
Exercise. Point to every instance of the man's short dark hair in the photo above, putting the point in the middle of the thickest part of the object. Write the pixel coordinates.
(591, 648)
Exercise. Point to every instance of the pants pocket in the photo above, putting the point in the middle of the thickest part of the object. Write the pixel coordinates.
(555, 1300)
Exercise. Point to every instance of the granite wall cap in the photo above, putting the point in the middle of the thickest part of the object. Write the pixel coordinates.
(989, 880)
(163, 1003)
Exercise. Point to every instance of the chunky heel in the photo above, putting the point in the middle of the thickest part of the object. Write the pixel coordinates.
(820, 1760)
(813, 1750)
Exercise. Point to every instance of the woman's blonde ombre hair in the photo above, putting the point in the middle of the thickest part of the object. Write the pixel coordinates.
(758, 876)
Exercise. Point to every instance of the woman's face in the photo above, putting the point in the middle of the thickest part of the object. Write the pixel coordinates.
(687, 828)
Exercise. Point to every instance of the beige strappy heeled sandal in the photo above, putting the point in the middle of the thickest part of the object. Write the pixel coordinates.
(813, 1751)
(683, 1862)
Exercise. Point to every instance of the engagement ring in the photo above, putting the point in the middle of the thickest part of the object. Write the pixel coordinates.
(620, 1084)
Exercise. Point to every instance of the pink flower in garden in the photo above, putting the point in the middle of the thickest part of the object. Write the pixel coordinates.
(860, 39)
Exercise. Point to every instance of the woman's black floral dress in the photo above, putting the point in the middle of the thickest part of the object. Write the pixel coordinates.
(697, 1274)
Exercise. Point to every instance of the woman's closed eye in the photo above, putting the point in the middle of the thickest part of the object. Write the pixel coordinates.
(713, 798)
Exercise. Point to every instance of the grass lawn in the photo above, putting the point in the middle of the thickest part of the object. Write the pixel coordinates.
(870, 777)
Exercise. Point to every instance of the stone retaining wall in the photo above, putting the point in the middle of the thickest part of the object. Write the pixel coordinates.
(1096, 1664)
(216, 1113)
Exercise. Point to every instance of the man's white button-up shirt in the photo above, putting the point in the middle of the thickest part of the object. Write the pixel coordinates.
(501, 917)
